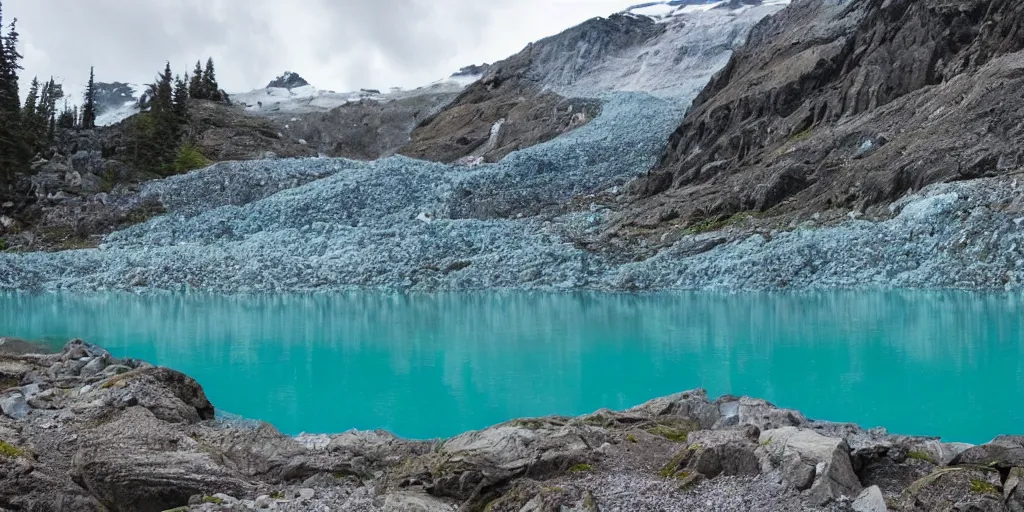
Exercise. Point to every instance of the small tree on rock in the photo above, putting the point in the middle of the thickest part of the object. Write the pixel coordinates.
(89, 109)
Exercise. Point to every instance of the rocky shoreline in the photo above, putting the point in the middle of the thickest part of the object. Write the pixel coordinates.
(81, 430)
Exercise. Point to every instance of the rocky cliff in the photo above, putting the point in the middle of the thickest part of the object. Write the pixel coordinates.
(845, 106)
(538, 93)
(81, 430)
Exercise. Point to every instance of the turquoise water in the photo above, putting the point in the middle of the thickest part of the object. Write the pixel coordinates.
(425, 366)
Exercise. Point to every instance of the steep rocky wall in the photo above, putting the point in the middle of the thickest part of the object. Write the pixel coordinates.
(844, 105)
(513, 108)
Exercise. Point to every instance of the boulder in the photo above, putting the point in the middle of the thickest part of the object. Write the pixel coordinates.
(807, 457)
(954, 489)
(870, 500)
(137, 462)
(415, 502)
(1013, 490)
(171, 396)
(692, 405)
(720, 452)
(15, 405)
(766, 416)
(1004, 452)
(543, 450)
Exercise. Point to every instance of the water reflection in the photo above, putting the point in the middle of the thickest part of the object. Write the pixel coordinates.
(433, 365)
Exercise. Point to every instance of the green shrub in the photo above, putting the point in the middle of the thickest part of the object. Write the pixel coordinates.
(983, 487)
(580, 468)
(919, 455)
(189, 158)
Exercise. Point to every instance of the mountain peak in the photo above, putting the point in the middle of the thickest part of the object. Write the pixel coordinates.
(288, 80)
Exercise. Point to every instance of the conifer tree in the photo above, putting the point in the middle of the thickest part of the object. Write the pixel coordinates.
(68, 118)
(10, 101)
(211, 91)
(15, 146)
(32, 124)
(89, 109)
(29, 110)
(181, 96)
(195, 85)
(164, 100)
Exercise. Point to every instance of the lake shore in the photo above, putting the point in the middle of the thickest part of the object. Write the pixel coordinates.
(82, 430)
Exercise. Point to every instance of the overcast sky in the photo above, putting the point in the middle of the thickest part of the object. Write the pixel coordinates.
(335, 44)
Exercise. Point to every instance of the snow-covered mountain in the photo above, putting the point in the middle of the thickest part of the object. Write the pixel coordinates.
(666, 9)
(290, 93)
(116, 101)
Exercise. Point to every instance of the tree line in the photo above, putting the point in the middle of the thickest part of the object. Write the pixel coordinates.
(154, 137)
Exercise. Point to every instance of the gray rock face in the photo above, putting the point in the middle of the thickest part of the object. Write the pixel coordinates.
(145, 473)
(955, 488)
(15, 405)
(870, 500)
(811, 461)
(830, 106)
(1003, 452)
(288, 80)
(1013, 490)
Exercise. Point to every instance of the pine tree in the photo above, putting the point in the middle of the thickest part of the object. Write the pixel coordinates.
(32, 124)
(47, 110)
(164, 100)
(89, 109)
(211, 90)
(29, 110)
(195, 85)
(68, 118)
(10, 101)
(15, 145)
(181, 96)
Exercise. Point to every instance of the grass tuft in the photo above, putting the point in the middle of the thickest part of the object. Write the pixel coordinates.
(920, 455)
(10, 451)
(983, 487)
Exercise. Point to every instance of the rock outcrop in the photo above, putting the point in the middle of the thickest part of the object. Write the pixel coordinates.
(288, 80)
(93, 432)
(843, 106)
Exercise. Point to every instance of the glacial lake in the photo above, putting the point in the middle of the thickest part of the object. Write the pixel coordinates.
(424, 366)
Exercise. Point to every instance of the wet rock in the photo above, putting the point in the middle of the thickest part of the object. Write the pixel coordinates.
(801, 452)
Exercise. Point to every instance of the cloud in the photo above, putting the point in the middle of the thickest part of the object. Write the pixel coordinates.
(335, 44)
